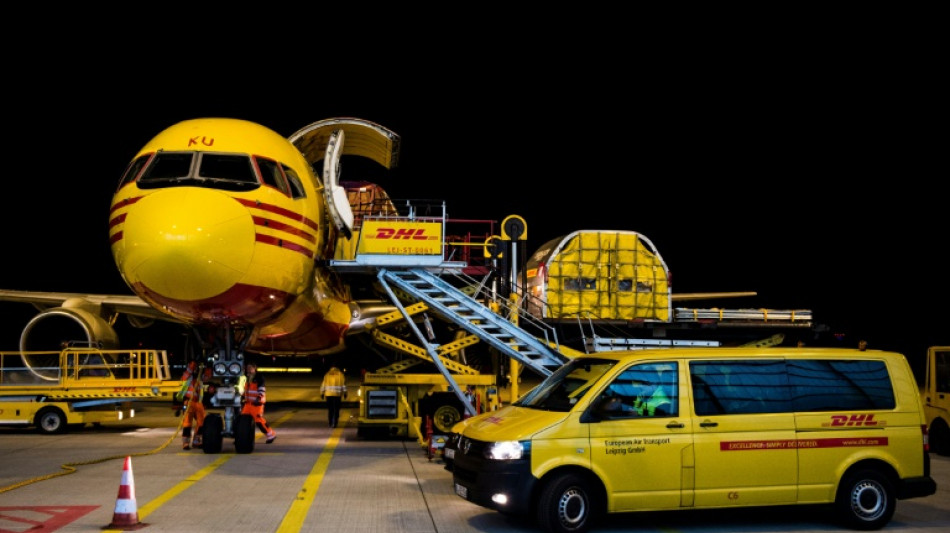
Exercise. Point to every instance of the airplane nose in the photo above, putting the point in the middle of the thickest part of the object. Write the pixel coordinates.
(187, 243)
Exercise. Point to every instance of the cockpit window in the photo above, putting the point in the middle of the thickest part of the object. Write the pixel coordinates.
(228, 172)
(132, 171)
(168, 165)
(270, 173)
(227, 167)
(296, 187)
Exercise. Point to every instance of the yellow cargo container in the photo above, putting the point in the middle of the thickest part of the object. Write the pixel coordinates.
(599, 274)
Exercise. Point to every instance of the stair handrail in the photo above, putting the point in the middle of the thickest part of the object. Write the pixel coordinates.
(542, 331)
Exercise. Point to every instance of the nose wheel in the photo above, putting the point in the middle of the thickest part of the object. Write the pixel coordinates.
(244, 434)
(213, 433)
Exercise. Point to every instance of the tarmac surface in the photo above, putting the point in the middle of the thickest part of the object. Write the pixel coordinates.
(312, 478)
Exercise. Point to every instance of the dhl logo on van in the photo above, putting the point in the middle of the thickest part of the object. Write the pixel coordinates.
(403, 233)
(862, 419)
(786, 444)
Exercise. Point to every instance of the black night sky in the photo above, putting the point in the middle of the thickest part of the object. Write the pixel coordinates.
(814, 183)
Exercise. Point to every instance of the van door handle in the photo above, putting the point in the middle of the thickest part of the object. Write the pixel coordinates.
(708, 424)
(675, 425)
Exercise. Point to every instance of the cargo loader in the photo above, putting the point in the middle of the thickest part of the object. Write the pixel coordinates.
(54, 391)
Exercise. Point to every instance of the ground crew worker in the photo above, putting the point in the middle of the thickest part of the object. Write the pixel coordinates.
(334, 390)
(472, 398)
(254, 399)
(194, 409)
(652, 399)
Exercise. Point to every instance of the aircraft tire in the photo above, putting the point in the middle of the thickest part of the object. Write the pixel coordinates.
(213, 433)
(244, 434)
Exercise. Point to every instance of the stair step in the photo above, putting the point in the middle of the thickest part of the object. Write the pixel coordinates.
(463, 308)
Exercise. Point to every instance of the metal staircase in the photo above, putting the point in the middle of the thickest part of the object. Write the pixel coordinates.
(458, 307)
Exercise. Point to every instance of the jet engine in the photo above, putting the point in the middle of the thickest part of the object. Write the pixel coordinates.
(76, 323)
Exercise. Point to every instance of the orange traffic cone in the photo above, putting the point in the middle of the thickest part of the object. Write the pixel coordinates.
(126, 515)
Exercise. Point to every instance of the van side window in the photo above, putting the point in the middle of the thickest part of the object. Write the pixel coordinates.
(840, 385)
(739, 387)
(644, 390)
(561, 390)
(942, 365)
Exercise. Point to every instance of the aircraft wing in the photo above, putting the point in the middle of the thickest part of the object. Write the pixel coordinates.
(689, 296)
(81, 317)
(109, 303)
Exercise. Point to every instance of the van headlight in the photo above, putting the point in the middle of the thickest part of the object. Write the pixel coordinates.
(507, 450)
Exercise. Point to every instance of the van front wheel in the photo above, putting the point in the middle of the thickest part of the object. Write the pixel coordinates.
(865, 500)
(565, 505)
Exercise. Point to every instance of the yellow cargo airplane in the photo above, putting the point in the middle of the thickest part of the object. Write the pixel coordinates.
(224, 225)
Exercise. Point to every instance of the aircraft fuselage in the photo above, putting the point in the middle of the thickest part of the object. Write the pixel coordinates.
(220, 223)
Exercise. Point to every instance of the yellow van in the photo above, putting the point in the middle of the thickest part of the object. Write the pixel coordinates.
(936, 398)
(701, 428)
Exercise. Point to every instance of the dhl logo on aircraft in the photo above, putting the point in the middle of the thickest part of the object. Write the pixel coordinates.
(861, 419)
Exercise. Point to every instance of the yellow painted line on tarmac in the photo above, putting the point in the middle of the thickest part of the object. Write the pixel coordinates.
(294, 519)
(180, 487)
(187, 483)
(176, 490)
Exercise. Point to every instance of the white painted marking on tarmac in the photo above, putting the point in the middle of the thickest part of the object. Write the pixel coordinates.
(148, 432)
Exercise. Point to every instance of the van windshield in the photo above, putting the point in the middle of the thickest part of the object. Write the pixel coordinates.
(564, 388)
